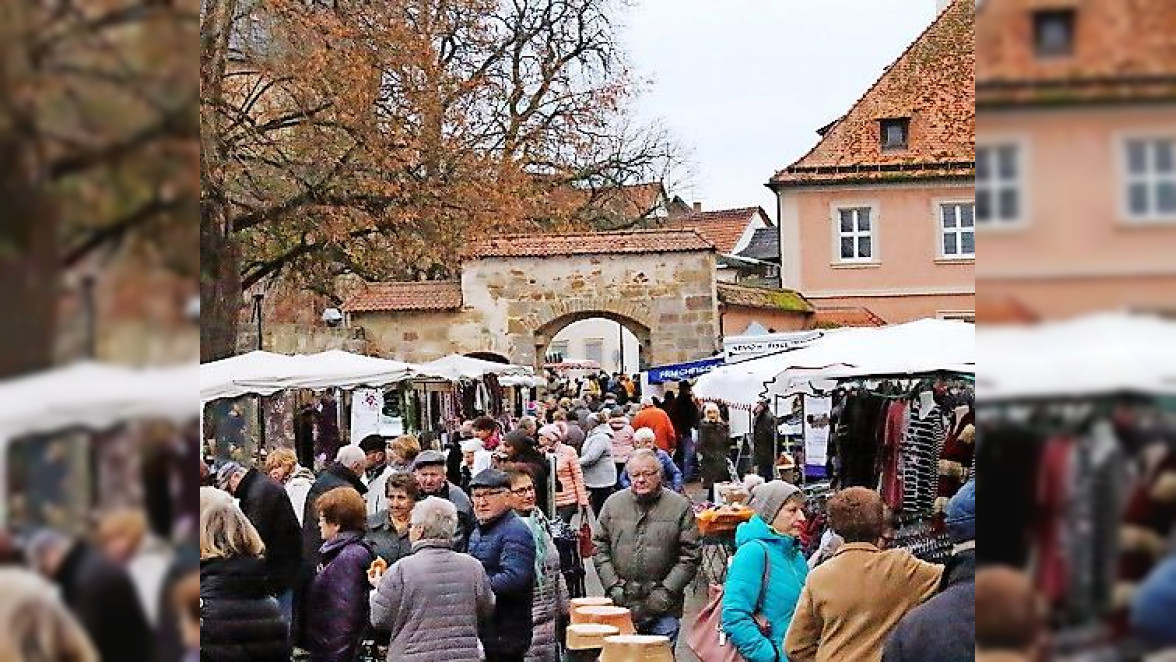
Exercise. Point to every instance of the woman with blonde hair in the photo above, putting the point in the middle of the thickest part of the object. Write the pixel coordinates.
(123, 537)
(240, 620)
(36, 625)
(280, 465)
(714, 445)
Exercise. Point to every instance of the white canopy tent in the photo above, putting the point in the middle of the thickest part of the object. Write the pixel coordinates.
(1095, 355)
(456, 367)
(266, 373)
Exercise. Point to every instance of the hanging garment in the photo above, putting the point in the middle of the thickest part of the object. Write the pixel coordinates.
(898, 415)
(1051, 540)
(919, 461)
(857, 440)
(958, 455)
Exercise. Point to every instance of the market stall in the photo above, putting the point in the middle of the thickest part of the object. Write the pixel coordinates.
(454, 388)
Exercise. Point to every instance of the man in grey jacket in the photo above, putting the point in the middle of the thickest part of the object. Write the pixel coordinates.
(432, 601)
(648, 548)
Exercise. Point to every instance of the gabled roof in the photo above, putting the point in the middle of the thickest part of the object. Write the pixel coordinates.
(594, 243)
(765, 245)
(397, 296)
(723, 228)
(620, 204)
(847, 316)
(933, 84)
(1122, 51)
(762, 297)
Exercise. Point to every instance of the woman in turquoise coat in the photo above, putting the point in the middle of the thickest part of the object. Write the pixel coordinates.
(772, 536)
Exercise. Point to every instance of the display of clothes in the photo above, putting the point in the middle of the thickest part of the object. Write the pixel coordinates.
(854, 443)
(922, 540)
(918, 462)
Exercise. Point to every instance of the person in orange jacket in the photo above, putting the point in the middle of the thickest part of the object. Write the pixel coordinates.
(658, 420)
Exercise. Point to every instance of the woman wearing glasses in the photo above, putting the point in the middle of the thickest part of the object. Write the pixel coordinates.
(549, 598)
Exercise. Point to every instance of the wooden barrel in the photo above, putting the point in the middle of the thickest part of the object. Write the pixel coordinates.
(637, 648)
(587, 636)
(608, 615)
(586, 602)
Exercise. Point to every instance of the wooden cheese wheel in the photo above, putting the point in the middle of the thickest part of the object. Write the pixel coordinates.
(637, 648)
(577, 603)
(587, 636)
(608, 615)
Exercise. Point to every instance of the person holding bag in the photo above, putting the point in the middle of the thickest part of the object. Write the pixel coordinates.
(767, 573)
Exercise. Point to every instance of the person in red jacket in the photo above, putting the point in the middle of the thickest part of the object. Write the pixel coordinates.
(657, 420)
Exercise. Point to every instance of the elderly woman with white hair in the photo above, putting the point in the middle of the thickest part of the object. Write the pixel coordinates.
(645, 438)
(714, 445)
(36, 625)
(432, 600)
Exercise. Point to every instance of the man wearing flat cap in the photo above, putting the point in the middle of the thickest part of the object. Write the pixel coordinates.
(430, 472)
(506, 548)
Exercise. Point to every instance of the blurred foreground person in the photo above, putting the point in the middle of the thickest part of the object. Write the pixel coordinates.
(123, 536)
(34, 626)
(549, 598)
(432, 600)
(1010, 617)
(185, 600)
(648, 548)
(1153, 613)
(944, 628)
(239, 619)
(99, 592)
(336, 602)
(852, 601)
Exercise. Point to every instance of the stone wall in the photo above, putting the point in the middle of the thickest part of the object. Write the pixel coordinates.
(515, 306)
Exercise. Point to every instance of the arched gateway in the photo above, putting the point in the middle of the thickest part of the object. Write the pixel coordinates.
(518, 292)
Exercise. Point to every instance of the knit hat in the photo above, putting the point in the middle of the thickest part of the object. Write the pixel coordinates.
(553, 431)
(227, 471)
(961, 514)
(769, 498)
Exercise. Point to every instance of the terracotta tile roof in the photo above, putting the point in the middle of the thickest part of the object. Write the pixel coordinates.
(621, 204)
(732, 294)
(723, 227)
(932, 83)
(852, 316)
(1122, 51)
(1003, 310)
(393, 296)
(594, 243)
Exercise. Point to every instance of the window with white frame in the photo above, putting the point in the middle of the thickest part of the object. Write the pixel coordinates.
(855, 234)
(957, 230)
(1151, 179)
(998, 185)
(594, 349)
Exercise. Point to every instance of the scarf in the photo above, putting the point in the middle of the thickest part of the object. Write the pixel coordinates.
(538, 525)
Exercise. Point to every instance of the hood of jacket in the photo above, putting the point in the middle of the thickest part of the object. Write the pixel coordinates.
(340, 541)
(757, 529)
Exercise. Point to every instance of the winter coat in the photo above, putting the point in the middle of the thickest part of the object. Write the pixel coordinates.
(851, 602)
(388, 543)
(659, 421)
(507, 551)
(377, 494)
(239, 620)
(744, 590)
(337, 605)
(549, 600)
(714, 445)
(297, 487)
(596, 458)
(335, 475)
(103, 598)
(465, 513)
(570, 489)
(943, 629)
(1154, 604)
(647, 545)
(432, 602)
(764, 438)
(574, 435)
(268, 507)
(622, 441)
(684, 415)
(671, 474)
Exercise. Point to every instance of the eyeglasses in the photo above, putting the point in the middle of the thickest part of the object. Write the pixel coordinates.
(644, 474)
(523, 491)
(482, 496)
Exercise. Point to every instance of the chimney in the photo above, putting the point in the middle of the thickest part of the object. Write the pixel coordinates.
(697, 207)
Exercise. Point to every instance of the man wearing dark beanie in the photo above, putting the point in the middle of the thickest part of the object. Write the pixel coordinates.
(943, 629)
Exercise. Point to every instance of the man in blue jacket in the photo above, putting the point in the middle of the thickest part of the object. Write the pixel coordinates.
(1154, 605)
(506, 548)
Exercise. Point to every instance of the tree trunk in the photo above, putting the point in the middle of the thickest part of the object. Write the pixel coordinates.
(220, 287)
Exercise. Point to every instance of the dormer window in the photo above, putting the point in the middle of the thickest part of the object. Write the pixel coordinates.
(895, 133)
(1053, 32)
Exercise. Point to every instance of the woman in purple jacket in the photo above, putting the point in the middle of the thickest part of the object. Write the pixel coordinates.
(337, 602)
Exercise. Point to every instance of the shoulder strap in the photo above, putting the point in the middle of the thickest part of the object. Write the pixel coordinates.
(763, 592)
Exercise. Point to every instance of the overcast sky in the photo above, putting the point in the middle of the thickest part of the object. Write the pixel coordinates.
(746, 83)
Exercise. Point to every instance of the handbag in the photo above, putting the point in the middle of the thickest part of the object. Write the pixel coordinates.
(587, 547)
(706, 637)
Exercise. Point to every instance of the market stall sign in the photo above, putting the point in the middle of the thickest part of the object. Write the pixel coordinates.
(746, 347)
(680, 371)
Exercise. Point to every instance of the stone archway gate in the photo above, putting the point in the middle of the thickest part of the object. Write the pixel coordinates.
(517, 292)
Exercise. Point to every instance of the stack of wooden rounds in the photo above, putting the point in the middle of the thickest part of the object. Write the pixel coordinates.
(608, 615)
(589, 636)
(577, 603)
(637, 648)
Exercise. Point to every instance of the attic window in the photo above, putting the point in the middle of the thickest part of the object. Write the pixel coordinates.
(1053, 32)
(895, 132)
